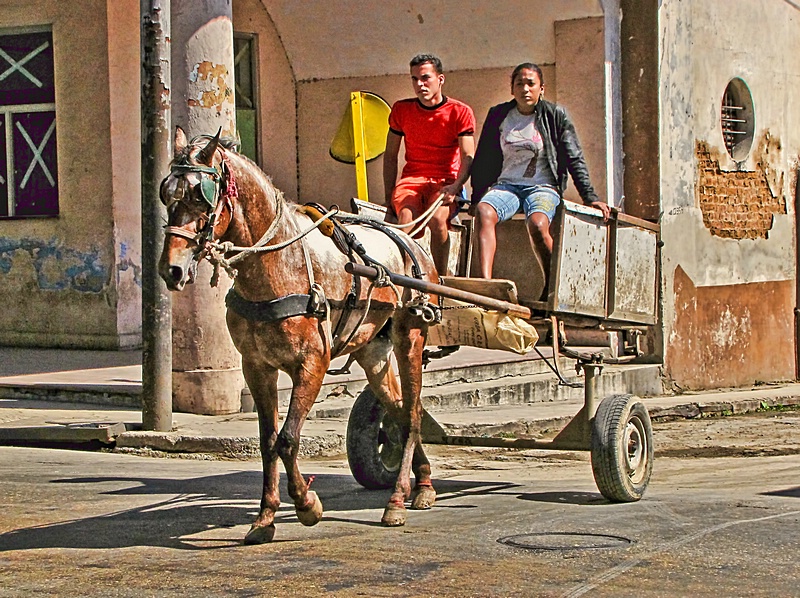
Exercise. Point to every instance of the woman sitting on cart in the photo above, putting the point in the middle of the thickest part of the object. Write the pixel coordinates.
(527, 148)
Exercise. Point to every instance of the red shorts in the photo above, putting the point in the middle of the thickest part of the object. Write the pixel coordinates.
(418, 193)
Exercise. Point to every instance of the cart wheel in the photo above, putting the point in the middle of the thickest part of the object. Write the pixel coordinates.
(374, 443)
(622, 448)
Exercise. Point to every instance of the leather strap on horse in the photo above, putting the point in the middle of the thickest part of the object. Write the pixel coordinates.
(277, 309)
(346, 242)
(353, 242)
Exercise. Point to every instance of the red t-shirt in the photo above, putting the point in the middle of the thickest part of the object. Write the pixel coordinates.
(431, 135)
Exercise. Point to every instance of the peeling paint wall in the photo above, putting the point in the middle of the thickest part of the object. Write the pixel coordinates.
(126, 144)
(738, 204)
(723, 336)
(728, 227)
(33, 265)
(70, 281)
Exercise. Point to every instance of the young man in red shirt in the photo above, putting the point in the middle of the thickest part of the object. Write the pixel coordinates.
(439, 143)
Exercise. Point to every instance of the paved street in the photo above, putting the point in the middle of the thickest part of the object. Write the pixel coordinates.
(103, 524)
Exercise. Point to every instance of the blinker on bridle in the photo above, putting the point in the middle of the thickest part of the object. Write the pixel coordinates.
(209, 185)
(210, 180)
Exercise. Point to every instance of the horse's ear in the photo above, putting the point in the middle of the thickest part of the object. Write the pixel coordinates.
(180, 140)
(206, 155)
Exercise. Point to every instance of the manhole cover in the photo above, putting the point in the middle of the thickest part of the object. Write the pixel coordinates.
(565, 541)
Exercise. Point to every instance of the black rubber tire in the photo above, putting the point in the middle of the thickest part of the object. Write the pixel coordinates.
(622, 448)
(374, 443)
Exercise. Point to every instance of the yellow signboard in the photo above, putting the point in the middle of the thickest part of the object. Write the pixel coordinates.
(361, 136)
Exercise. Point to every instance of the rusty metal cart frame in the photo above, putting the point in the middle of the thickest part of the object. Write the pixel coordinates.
(602, 276)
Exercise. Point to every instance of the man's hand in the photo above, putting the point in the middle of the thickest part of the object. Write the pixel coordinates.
(603, 207)
(448, 193)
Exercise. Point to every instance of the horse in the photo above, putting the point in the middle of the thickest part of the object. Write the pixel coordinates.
(290, 292)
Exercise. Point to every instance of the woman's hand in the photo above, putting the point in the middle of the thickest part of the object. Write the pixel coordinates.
(603, 207)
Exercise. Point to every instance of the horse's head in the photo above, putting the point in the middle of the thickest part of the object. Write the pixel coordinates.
(198, 206)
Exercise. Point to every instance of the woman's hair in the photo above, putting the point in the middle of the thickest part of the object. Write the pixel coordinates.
(527, 65)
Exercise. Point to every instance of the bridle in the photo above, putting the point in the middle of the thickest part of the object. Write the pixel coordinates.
(211, 182)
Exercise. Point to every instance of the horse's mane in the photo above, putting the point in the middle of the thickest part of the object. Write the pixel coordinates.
(230, 144)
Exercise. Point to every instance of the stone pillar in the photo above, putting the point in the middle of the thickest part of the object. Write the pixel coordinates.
(207, 373)
(640, 32)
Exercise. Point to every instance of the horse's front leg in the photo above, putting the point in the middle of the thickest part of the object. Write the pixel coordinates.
(263, 384)
(307, 378)
(409, 342)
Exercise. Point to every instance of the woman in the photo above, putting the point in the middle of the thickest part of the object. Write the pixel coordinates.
(527, 149)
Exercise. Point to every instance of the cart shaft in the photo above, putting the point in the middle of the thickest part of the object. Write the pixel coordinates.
(444, 291)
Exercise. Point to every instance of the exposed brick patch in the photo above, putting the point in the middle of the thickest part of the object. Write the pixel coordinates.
(735, 205)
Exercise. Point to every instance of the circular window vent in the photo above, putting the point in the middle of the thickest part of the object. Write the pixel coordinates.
(737, 119)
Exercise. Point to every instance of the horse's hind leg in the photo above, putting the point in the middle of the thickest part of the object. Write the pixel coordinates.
(424, 495)
(409, 342)
(263, 384)
(374, 358)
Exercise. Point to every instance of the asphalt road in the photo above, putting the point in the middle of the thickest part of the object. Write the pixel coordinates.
(505, 524)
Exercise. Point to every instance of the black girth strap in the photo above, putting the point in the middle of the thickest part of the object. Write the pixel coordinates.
(276, 309)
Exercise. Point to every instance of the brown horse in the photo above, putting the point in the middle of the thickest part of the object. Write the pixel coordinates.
(287, 298)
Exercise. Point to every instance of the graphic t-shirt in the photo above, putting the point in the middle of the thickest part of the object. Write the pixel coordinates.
(431, 135)
(524, 157)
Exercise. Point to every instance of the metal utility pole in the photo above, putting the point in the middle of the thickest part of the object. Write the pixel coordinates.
(156, 156)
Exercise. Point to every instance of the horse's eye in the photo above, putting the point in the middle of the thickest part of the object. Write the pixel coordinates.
(197, 194)
(168, 188)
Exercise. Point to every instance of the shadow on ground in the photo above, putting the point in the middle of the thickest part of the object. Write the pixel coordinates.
(182, 508)
(788, 492)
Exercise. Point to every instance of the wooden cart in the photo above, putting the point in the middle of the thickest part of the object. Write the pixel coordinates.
(604, 276)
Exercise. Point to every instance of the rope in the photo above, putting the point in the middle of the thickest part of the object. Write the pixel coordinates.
(426, 216)
(226, 247)
(429, 213)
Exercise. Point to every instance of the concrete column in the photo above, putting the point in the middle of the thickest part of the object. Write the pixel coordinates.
(640, 105)
(207, 373)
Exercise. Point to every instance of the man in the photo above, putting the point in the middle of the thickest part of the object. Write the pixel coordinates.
(527, 149)
(439, 145)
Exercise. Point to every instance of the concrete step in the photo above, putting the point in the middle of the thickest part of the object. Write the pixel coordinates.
(641, 380)
(467, 365)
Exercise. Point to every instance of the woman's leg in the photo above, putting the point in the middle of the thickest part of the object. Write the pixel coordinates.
(498, 205)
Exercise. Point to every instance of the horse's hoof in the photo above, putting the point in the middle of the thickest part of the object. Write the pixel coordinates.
(424, 498)
(260, 534)
(312, 514)
(394, 515)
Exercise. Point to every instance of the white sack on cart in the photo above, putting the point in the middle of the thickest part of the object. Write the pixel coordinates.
(473, 326)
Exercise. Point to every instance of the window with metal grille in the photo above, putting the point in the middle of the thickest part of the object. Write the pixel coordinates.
(244, 65)
(737, 119)
(28, 167)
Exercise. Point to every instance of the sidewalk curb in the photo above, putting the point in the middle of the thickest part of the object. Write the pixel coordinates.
(230, 447)
(333, 444)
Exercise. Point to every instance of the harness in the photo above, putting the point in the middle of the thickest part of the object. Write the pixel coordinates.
(218, 189)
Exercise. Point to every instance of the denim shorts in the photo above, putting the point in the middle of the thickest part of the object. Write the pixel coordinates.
(507, 199)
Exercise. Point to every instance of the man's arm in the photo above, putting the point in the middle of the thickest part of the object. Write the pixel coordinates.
(393, 141)
(466, 144)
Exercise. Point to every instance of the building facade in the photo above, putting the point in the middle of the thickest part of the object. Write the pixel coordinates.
(653, 87)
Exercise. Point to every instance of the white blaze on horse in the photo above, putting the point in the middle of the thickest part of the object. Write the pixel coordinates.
(293, 306)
